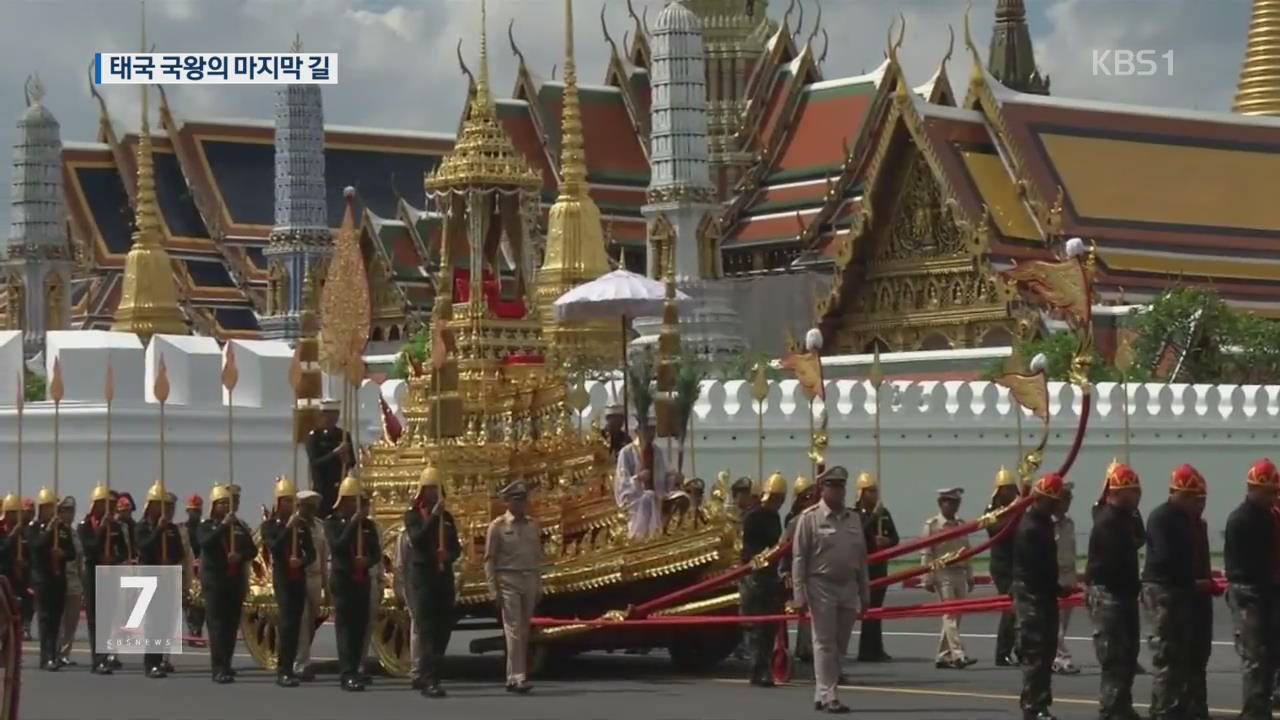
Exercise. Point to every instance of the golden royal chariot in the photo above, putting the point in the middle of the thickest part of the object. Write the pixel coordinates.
(496, 405)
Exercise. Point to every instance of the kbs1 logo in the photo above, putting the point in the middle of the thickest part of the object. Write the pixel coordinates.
(1123, 62)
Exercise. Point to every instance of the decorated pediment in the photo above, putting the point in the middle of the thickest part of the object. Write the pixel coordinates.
(922, 285)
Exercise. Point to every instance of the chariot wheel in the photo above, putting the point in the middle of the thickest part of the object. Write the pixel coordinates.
(259, 625)
(391, 641)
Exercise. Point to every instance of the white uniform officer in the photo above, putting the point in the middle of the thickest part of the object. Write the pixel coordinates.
(512, 569)
(829, 578)
(952, 582)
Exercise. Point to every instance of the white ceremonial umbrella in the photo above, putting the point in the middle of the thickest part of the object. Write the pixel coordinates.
(620, 294)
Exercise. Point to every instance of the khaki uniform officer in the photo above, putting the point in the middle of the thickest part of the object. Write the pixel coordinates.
(512, 568)
(829, 576)
(317, 582)
(952, 582)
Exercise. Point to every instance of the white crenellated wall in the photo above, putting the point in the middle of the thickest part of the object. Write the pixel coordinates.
(935, 434)
(196, 418)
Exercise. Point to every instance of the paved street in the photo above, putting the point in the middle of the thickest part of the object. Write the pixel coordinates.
(607, 686)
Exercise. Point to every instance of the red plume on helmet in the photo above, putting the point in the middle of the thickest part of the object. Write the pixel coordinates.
(1188, 479)
(1264, 473)
(1051, 486)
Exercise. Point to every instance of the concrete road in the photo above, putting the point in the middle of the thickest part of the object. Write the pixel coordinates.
(614, 686)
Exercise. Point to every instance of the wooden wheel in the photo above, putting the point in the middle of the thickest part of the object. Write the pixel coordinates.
(10, 651)
(391, 640)
(258, 626)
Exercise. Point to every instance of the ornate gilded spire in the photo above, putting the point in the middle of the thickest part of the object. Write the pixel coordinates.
(576, 251)
(1258, 92)
(148, 298)
(1012, 60)
(483, 156)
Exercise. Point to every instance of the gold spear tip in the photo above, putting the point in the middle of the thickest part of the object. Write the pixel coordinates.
(760, 384)
(161, 387)
(56, 389)
(876, 375)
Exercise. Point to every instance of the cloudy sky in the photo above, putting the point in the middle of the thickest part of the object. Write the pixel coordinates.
(397, 65)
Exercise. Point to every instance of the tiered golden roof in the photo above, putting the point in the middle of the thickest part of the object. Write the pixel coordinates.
(1258, 92)
(148, 297)
(575, 235)
(484, 155)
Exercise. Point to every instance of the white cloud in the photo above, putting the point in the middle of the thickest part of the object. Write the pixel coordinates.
(398, 66)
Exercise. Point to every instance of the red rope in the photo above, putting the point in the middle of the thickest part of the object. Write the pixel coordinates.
(998, 603)
(672, 598)
(894, 579)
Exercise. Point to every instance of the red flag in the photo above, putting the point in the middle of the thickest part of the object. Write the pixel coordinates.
(391, 428)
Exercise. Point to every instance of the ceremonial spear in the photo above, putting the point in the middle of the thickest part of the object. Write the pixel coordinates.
(55, 394)
(1124, 363)
(161, 390)
(230, 377)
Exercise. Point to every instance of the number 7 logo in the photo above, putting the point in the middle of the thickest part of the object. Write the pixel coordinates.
(147, 587)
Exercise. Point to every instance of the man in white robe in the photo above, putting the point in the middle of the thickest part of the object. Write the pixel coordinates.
(639, 489)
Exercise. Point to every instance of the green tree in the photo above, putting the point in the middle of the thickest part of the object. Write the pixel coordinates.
(35, 386)
(419, 346)
(742, 366)
(1059, 350)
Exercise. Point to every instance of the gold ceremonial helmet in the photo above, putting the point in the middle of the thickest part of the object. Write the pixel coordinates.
(775, 485)
(866, 480)
(46, 497)
(11, 503)
(156, 493)
(285, 488)
(803, 485)
(219, 492)
(350, 487)
(1005, 478)
(430, 477)
(101, 492)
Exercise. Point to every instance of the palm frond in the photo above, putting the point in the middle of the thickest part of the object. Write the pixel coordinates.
(641, 387)
(689, 377)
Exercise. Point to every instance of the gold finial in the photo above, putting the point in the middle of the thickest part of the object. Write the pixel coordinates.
(576, 251)
(1258, 90)
(297, 43)
(149, 297)
(484, 155)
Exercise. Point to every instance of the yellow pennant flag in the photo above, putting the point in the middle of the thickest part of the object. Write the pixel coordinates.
(161, 386)
(230, 373)
(56, 389)
(1030, 390)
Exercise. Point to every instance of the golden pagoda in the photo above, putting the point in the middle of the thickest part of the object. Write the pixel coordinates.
(148, 296)
(1258, 92)
(575, 251)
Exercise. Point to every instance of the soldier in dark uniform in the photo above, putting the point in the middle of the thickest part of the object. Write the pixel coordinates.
(27, 597)
(431, 578)
(104, 542)
(806, 495)
(195, 512)
(1168, 588)
(13, 548)
(761, 589)
(1035, 591)
(226, 552)
(1201, 648)
(1111, 577)
(329, 454)
(159, 542)
(289, 543)
(1252, 569)
(881, 534)
(124, 516)
(52, 548)
(1001, 566)
(614, 435)
(354, 550)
